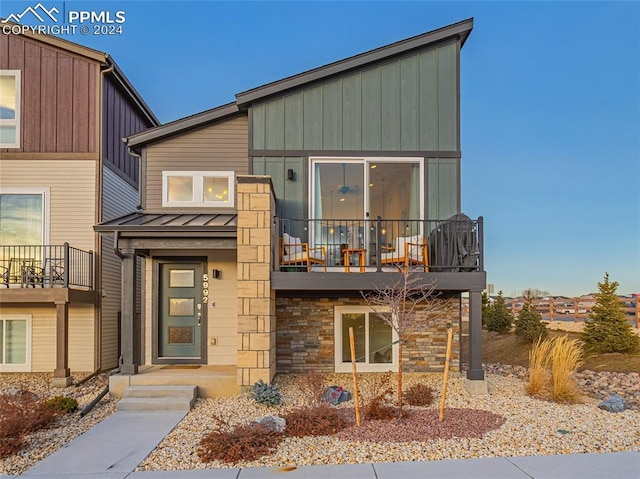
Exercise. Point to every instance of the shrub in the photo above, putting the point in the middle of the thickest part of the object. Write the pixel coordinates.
(242, 443)
(538, 366)
(565, 359)
(62, 404)
(497, 317)
(322, 420)
(266, 393)
(529, 325)
(312, 387)
(419, 395)
(380, 408)
(21, 414)
(608, 330)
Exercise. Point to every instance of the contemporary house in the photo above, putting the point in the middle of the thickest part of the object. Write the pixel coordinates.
(263, 220)
(63, 168)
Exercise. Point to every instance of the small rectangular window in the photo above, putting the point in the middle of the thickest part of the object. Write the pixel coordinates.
(15, 343)
(198, 188)
(10, 108)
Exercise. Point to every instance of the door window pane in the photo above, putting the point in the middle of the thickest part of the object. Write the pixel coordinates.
(339, 192)
(20, 219)
(182, 278)
(16, 341)
(380, 340)
(180, 188)
(357, 322)
(181, 307)
(216, 188)
(180, 335)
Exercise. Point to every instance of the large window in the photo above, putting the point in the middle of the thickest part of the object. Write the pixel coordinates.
(10, 108)
(375, 342)
(198, 188)
(15, 342)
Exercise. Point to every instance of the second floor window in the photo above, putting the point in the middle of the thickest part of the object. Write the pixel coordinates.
(9, 108)
(198, 188)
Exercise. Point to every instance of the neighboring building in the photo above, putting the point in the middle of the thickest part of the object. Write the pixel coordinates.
(263, 219)
(63, 168)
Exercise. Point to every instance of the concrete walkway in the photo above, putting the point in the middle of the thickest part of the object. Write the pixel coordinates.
(113, 448)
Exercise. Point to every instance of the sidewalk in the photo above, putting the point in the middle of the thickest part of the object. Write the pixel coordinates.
(115, 447)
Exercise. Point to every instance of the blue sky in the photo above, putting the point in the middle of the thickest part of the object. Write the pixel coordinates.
(550, 100)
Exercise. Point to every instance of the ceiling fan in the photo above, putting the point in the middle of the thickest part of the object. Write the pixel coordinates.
(345, 189)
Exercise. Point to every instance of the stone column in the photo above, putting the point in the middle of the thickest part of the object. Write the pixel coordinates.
(130, 327)
(256, 299)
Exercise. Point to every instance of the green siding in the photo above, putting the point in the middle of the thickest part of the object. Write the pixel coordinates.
(442, 188)
(406, 104)
(291, 199)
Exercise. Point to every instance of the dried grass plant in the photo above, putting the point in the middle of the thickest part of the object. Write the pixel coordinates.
(539, 358)
(566, 357)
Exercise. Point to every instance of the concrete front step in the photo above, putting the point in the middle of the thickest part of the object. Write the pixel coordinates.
(179, 391)
(158, 398)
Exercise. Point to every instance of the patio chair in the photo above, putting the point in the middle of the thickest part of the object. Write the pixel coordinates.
(5, 273)
(408, 250)
(293, 252)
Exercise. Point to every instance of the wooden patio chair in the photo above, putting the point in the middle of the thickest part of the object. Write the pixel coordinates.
(293, 252)
(408, 250)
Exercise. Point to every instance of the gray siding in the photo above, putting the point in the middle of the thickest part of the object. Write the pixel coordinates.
(118, 199)
(221, 146)
(407, 104)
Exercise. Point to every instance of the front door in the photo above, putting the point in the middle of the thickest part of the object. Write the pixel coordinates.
(181, 312)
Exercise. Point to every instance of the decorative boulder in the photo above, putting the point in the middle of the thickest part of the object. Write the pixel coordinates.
(614, 403)
(275, 423)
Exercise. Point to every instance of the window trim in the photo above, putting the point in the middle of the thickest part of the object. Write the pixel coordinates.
(17, 368)
(341, 367)
(45, 192)
(198, 189)
(17, 74)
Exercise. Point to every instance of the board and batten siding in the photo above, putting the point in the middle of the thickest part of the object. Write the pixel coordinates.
(72, 201)
(118, 199)
(291, 195)
(442, 190)
(409, 103)
(58, 96)
(222, 146)
(121, 120)
(43, 334)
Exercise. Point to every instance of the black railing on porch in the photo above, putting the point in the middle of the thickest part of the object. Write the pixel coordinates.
(46, 266)
(452, 245)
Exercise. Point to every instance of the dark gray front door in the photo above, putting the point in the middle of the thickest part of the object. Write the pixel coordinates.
(180, 311)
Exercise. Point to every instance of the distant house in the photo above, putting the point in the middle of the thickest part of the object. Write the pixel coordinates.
(63, 168)
(263, 219)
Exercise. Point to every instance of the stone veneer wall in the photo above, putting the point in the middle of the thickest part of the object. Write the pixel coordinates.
(305, 329)
(256, 299)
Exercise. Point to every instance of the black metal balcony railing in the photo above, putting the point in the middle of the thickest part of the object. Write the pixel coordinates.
(45, 266)
(451, 245)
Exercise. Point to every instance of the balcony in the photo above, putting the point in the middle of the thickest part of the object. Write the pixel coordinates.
(356, 254)
(46, 273)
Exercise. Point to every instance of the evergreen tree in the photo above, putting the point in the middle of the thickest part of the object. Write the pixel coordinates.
(486, 305)
(608, 331)
(529, 325)
(498, 317)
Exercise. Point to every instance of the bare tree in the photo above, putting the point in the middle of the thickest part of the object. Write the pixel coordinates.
(407, 305)
(535, 293)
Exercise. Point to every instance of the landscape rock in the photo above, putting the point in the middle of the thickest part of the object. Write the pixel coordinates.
(613, 403)
(275, 423)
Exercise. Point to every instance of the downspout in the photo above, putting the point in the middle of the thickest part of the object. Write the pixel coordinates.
(116, 250)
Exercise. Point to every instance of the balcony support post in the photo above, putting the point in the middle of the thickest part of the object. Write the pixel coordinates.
(62, 373)
(130, 329)
(475, 383)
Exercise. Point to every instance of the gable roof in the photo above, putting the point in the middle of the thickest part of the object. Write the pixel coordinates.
(459, 30)
(109, 66)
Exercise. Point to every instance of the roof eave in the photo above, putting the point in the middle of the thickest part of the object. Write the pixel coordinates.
(135, 142)
(460, 30)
